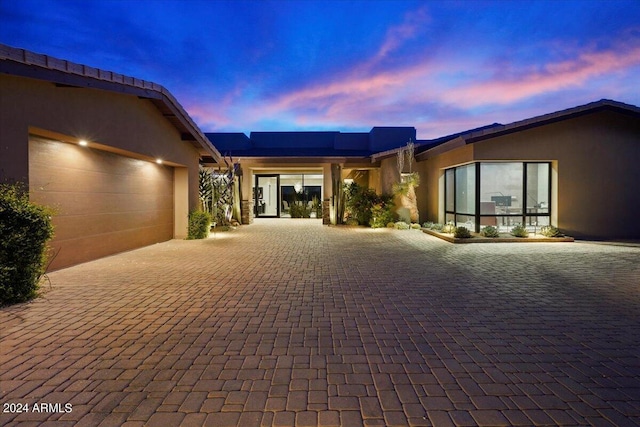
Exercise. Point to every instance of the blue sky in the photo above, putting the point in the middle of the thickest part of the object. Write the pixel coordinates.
(441, 66)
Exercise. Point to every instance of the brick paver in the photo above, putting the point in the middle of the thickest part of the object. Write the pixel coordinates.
(289, 322)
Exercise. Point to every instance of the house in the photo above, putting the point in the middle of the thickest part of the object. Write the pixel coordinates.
(282, 168)
(117, 157)
(576, 169)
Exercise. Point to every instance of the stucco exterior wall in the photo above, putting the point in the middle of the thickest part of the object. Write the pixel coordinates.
(113, 122)
(431, 182)
(595, 158)
(388, 174)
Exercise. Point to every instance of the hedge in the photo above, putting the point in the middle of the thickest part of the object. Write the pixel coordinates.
(25, 228)
(199, 225)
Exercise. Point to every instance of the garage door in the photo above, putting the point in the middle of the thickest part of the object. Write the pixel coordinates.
(106, 203)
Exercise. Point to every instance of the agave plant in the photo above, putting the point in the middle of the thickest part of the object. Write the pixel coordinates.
(519, 231)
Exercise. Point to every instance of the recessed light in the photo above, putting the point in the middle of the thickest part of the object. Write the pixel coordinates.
(159, 161)
(83, 142)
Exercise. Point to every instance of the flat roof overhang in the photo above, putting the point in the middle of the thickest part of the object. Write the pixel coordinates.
(346, 161)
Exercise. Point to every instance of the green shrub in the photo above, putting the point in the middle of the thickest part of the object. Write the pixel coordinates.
(437, 227)
(381, 214)
(352, 221)
(449, 227)
(199, 225)
(427, 225)
(401, 225)
(360, 202)
(519, 231)
(317, 207)
(391, 224)
(551, 231)
(299, 210)
(25, 229)
(462, 233)
(490, 231)
(415, 226)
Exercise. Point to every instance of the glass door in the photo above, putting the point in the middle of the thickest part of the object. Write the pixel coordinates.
(267, 196)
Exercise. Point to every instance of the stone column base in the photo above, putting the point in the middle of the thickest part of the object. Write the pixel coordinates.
(326, 218)
(247, 211)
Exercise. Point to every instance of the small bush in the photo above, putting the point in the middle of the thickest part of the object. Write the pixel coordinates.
(352, 221)
(25, 229)
(300, 210)
(199, 225)
(519, 231)
(358, 202)
(427, 225)
(401, 225)
(415, 226)
(551, 231)
(362, 203)
(381, 214)
(490, 231)
(437, 227)
(391, 224)
(462, 233)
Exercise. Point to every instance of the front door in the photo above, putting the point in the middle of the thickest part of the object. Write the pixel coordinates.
(267, 196)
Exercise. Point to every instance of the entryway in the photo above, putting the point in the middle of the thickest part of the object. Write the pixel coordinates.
(275, 195)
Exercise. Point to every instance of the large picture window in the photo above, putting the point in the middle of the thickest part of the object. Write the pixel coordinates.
(502, 194)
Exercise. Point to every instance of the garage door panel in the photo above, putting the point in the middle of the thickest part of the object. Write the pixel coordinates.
(106, 203)
(67, 203)
(82, 249)
(148, 177)
(71, 156)
(74, 226)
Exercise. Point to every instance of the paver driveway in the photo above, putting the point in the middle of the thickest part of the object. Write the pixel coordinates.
(288, 322)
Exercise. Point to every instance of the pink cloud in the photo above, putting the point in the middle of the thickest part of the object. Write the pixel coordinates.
(396, 36)
(358, 99)
(370, 94)
(554, 77)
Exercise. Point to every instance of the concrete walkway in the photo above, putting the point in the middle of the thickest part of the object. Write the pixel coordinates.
(287, 322)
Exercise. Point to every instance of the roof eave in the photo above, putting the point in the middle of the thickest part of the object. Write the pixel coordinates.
(593, 107)
(23, 63)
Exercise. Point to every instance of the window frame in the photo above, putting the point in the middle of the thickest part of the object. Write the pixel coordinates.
(525, 218)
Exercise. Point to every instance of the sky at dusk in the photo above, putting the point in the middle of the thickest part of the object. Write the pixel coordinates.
(441, 66)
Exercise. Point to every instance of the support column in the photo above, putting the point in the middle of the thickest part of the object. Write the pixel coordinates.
(180, 202)
(326, 209)
(247, 211)
(336, 207)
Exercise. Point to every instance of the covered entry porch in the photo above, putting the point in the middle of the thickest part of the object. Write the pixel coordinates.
(298, 191)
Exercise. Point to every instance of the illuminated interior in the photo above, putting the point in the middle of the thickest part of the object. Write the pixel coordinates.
(500, 194)
(274, 194)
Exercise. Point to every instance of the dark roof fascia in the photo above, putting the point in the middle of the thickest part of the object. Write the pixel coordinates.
(451, 144)
(394, 152)
(522, 125)
(570, 113)
(24, 63)
(303, 160)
